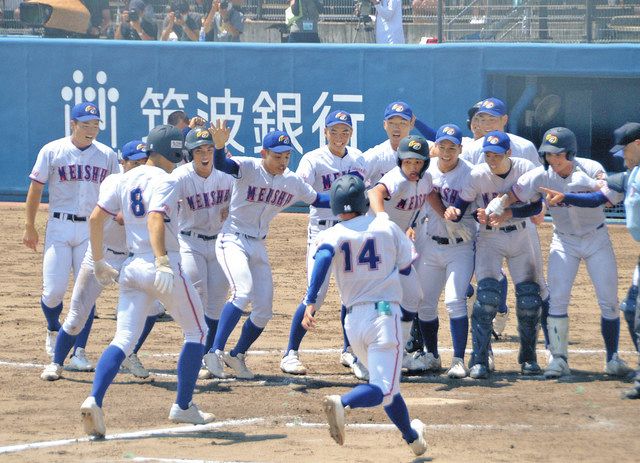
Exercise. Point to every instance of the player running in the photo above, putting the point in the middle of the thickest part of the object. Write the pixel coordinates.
(262, 188)
(74, 167)
(367, 253)
(146, 197)
(205, 194)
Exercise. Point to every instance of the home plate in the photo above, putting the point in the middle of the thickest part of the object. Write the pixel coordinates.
(433, 401)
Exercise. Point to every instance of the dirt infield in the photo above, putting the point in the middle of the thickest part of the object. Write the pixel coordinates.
(278, 418)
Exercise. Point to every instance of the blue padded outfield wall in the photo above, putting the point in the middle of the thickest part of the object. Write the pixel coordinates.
(261, 87)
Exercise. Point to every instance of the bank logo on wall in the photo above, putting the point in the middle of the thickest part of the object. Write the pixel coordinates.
(104, 98)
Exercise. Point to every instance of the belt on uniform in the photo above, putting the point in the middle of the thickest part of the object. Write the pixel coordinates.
(72, 217)
(382, 307)
(244, 235)
(331, 223)
(574, 234)
(198, 235)
(509, 228)
(117, 253)
(442, 240)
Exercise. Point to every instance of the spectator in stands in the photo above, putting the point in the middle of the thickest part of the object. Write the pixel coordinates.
(136, 23)
(181, 24)
(303, 21)
(228, 21)
(389, 21)
(100, 17)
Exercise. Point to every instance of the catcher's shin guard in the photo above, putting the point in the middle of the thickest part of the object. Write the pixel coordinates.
(528, 309)
(484, 309)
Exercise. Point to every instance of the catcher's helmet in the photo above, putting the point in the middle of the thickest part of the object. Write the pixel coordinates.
(167, 141)
(348, 195)
(558, 140)
(472, 112)
(414, 147)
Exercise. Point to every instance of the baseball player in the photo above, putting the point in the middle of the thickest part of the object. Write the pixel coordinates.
(368, 254)
(205, 194)
(262, 188)
(86, 287)
(74, 167)
(446, 251)
(579, 233)
(320, 168)
(627, 139)
(512, 242)
(491, 114)
(146, 197)
(400, 195)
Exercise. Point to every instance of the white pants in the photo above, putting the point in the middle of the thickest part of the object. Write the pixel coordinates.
(377, 342)
(444, 266)
(137, 294)
(200, 263)
(564, 258)
(246, 265)
(65, 244)
(518, 247)
(86, 291)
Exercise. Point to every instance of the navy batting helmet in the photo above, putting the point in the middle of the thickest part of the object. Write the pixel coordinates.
(472, 112)
(167, 141)
(198, 136)
(558, 140)
(414, 147)
(348, 195)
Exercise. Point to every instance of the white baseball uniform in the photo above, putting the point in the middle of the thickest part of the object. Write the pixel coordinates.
(256, 199)
(319, 168)
(142, 190)
(511, 240)
(403, 205)
(579, 233)
(74, 177)
(445, 262)
(368, 254)
(203, 208)
(86, 288)
(520, 148)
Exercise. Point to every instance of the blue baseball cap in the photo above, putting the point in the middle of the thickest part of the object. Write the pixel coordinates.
(496, 142)
(398, 108)
(624, 135)
(338, 117)
(85, 112)
(492, 106)
(277, 141)
(134, 151)
(449, 132)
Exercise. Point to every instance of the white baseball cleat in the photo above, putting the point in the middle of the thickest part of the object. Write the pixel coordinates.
(79, 361)
(291, 364)
(51, 372)
(360, 371)
(135, 367)
(334, 409)
(411, 364)
(213, 362)
(50, 343)
(479, 371)
(191, 415)
(616, 366)
(557, 368)
(92, 418)
(458, 370)
(500, 323)
(428, 360)
(238, 364)
(347, 358)
(491, 362)
(419, 446)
